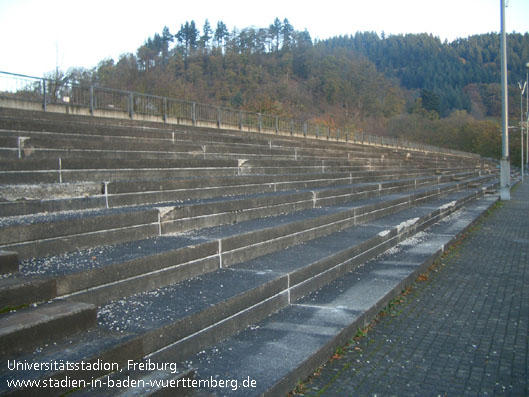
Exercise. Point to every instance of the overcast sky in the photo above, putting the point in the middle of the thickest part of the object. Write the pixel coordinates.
(36, 35)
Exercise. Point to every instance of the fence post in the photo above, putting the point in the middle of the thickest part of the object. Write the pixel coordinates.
(44, 94)
(218, 117)
(277, 125)
(338, 135)
(91, 100)
(260, 122)
(194, 114)
(317, 131)
(165, 110)
(131, 105)
(291, 127)
(304, 128)
(240, 120)
(328, 133)
(346, 136)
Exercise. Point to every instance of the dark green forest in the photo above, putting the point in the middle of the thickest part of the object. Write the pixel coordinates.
(411, 86)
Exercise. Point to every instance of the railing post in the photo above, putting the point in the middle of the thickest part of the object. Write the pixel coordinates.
(165, 110)
(328, 133)
(44, 94)
(240, 120)
(260, 122)
(91, 100)
(304, 128)
(218, 117)
(291, 127)
(277, 125)
(346, 136)
(131, 105)
(338, 135)
(194, 113)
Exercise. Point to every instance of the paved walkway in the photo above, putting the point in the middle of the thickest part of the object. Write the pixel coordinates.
(464, 331)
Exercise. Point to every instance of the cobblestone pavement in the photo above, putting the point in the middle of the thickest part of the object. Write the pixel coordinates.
(464, 331)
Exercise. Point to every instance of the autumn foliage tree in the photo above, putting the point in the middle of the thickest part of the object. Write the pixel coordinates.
(408, 86)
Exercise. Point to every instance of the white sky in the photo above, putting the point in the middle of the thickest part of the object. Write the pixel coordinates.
(85, 32)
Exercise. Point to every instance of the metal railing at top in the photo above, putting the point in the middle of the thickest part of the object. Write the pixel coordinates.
(94, 98)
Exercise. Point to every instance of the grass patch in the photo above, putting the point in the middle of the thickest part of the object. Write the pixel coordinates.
(8, 309)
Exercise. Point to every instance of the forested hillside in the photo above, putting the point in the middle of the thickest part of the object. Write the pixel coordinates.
(412, 86)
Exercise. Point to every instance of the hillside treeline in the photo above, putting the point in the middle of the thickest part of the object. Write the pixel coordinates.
(412, 86)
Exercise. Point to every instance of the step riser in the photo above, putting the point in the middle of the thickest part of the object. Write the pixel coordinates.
(55, 246)
(22, 332)
(184, 225)
(124, 270)
(104, 294)
(181, 195)
(29, 232)
(38, 206)
(32, 291)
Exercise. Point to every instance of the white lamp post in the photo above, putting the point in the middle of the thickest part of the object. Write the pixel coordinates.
(505, 170)
(527, 120)
(522, 90)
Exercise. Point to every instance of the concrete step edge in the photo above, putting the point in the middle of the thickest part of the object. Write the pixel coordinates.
(29, 328)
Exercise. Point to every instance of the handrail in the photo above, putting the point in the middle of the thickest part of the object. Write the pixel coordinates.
(95, 98)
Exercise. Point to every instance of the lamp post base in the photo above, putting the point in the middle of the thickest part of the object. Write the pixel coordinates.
(505, 179)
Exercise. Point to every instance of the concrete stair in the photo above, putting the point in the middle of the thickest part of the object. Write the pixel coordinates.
(145, 258)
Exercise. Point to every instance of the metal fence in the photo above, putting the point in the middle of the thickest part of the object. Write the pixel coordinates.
(94, 98)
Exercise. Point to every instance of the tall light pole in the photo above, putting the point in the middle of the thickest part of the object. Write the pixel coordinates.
(522, 90)
(526, 119)
(505, 170)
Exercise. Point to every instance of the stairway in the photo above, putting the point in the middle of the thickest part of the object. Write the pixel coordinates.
(145, 242)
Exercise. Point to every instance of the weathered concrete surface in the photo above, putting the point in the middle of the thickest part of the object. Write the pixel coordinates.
(464, 332)
(287, 346)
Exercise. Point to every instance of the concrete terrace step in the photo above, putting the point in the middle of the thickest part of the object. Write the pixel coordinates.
(29, 199)
(11, 118)
(41, 235)
(207, 135)
(208, 308)
(57, 165)
(287, 346)
(90, 126)
(69, 170)
(33, 138)
(29, 328)
(103, 274)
